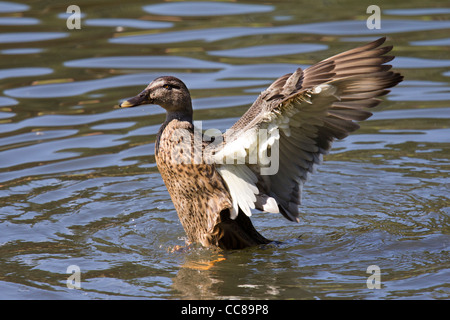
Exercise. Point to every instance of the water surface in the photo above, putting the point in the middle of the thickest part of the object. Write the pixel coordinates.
(78, 180)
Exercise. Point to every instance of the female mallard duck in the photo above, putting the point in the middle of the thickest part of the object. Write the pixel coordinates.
(214, 184)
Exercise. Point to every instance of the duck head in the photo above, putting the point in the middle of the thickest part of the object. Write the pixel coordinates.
(168, 92)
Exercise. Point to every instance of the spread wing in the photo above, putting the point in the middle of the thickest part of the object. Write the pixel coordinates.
(268, 154)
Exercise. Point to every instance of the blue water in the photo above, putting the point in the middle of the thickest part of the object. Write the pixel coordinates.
(78, 179)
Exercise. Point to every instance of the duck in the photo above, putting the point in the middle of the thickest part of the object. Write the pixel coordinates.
(262, 162)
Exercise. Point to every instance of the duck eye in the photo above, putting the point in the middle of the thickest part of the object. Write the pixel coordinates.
(168, 87)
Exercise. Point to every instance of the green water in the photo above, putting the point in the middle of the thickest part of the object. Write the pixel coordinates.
(78, 180)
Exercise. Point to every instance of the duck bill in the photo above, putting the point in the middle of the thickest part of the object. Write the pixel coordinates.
(141, 98)
(127, 104)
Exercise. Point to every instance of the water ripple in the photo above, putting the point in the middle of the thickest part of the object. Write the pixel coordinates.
(17, 21)
(350, 27)
(421, 91)
(4, 101)
(23, 72)
(79, 183)
(194, 81)
(417, 11)
(268, 50)
(407, 62)
(145, 62)
(131, 23)
(6, 6)
(21, 51)
(192, 8)
(19, 37)
(432, 42)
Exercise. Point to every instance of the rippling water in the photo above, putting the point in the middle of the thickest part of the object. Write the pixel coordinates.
(79, 185)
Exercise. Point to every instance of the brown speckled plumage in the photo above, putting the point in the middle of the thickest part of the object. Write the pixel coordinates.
(199, 193)
(311, 108)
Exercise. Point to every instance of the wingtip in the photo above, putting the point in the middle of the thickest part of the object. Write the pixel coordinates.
(291, 213)
(374, 44)
(380, 41)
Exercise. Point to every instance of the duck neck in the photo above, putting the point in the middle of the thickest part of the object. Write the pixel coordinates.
(170, 116)
(178, 115)
(181, 112)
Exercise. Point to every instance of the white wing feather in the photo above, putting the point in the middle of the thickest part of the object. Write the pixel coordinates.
(233, 158)
(241, 182)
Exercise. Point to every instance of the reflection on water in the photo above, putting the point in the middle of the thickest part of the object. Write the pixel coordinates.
(319, 28)
(79, 184)
(208, 9)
